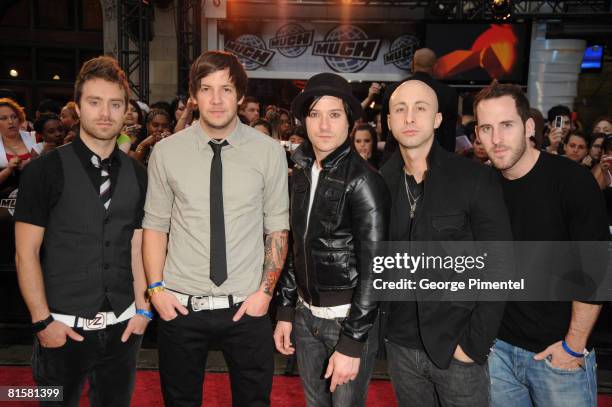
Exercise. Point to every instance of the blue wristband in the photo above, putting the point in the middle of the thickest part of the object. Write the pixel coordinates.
(157, 284)
(145, 313)
(571, 352)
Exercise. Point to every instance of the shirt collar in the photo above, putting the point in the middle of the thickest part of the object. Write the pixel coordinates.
(235, 139)
(84, 153)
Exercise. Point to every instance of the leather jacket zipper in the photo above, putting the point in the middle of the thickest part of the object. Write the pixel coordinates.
(306, 232)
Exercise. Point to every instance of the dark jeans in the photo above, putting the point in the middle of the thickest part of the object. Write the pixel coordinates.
(418, 382)
(109, 364)
(247, 345)
(315, 340)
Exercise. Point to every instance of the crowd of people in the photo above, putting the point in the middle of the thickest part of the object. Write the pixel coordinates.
(204, 209)
(53, 125)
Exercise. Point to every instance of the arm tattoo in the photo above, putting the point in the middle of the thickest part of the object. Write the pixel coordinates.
(274, 260)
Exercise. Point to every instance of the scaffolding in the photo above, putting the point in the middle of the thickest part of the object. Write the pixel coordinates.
(188, 24)
(134, 18)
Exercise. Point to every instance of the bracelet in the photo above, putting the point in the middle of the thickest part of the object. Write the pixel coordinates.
(41, 325)
(152, 291)
(160, 283)
(567, 349)
(145, 313)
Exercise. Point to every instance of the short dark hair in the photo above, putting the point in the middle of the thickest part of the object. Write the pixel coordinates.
(265, 123)
(309, 105)
(247, 100)
(579, 135)
(163, 105)
(158, 112)
(39, 124)
(558, 110)
(299, 131)
(496, 90)
(49, 106)
(102, 67)
(213, 61)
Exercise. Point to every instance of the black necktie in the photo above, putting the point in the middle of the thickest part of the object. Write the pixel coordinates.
(105, 183)
(218, 261)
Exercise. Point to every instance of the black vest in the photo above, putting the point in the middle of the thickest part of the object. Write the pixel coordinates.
(87, 249)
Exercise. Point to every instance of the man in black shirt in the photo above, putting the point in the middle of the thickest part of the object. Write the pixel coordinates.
(542, 356)
(436, 350)
(78, 242)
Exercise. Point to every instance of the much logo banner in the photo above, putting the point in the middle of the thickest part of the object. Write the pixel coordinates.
(299, 50)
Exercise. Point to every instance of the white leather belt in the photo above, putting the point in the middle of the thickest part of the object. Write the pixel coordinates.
(100, 321)
(338, 311)
(206, 302)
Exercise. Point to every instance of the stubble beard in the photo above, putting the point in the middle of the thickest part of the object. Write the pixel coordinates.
(93, 132)
(514, 158)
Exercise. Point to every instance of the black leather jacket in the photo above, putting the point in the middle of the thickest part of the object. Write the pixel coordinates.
(351, 206)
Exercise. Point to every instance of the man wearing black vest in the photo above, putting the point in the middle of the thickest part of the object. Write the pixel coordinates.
(78, 239)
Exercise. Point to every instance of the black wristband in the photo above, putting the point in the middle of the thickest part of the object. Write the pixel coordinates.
(40, 325)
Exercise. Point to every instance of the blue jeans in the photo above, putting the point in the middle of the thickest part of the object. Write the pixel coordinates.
(418, 382)
(315, 340)
(518, 380)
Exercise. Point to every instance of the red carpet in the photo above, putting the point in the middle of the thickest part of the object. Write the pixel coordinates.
(286, 391)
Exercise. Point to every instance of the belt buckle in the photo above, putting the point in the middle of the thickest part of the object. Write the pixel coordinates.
(96, 323)
(197, 303)
(329, 314)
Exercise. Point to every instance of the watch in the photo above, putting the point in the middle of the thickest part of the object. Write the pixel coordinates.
(40, 325)
(150, 291)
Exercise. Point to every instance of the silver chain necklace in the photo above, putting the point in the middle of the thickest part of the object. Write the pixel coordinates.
(412, 201)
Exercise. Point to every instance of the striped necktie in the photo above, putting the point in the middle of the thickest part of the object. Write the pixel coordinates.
(105, 183)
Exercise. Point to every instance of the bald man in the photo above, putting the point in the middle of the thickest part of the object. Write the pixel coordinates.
(437, 351)
(423, 63)
(424, 60)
